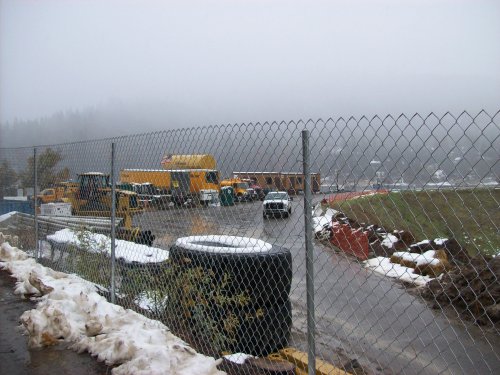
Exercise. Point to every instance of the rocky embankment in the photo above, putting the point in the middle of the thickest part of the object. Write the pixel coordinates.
(443, 269)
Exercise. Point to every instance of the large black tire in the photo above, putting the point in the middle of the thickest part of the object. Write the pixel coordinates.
(265, 277)
(264, 335)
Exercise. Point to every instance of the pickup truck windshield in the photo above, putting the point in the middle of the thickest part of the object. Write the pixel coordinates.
(275, 196)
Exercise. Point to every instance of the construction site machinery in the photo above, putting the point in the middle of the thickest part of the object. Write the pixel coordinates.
(56, 193)
(202, 161)
(180, 184)
(93, 198)
(240, 187)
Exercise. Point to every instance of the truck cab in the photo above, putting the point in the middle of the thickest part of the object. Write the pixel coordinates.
(56, 193)
(240, 188)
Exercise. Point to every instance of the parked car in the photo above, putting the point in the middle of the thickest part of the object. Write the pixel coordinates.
(277, 203)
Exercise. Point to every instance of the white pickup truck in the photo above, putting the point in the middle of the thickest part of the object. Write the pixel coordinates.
(277, 203)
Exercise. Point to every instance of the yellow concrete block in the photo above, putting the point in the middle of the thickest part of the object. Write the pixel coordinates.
(299, 359)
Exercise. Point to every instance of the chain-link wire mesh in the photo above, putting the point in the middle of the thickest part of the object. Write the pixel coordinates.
(210, 235)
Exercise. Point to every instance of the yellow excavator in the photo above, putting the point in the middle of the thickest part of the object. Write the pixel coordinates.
(93, 198)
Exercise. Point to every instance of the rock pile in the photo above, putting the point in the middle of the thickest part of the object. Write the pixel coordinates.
(451, 276)
(431, 263)
(473, 289)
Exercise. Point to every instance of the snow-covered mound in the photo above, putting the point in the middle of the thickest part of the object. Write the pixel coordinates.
(384, 266)
(322, 221)
(410, 267)
(419, 259)
(70, 310)
(126, 250)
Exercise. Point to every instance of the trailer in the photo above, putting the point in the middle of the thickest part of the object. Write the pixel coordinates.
(181, 184)
(292, 182)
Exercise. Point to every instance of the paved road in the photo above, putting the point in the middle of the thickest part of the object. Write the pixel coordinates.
(16, 358)
(359, 314)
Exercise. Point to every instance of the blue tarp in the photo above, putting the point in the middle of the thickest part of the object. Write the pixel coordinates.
(20, 206)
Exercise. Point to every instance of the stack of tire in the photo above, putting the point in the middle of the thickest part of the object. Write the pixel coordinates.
(259, 270)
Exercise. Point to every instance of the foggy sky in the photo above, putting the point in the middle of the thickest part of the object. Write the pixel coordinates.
(194, 63)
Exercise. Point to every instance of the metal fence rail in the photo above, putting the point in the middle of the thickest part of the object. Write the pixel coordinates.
(396, 270)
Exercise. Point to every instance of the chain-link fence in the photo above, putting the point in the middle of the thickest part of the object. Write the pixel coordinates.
(205, 230)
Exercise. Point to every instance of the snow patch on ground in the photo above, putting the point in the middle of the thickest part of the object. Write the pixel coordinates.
(238, 358)
(126, 250)
(70, 310)
(384, 266)
(150, 301)
(227, 244)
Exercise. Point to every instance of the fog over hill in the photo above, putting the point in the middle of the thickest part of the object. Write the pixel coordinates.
(91, 69)
(354, 149)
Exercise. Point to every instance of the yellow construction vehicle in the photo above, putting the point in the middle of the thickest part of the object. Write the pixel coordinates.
(241, 188)
(56, 193)
(203, 161)
(93, 198)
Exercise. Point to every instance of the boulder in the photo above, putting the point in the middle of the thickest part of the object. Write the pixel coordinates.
(456, 253)
(493, 312)
(432, 270)
(473, 289)
(379, 250)
(406, 237)
(421, 247)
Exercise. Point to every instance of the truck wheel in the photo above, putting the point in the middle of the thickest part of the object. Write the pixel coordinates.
(256, 269)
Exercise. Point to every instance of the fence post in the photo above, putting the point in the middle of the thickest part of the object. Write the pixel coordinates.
(113, 222)
(35, 200)
(311, 345)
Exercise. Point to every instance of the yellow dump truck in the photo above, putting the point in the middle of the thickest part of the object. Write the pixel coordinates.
(182, 184)
(56, 193)
(202, 161)
(241, 188)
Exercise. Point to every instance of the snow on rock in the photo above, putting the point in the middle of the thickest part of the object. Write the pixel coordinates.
(71, 311)
(424, 242)
(389, 240)
(223, 244)
(322, 218)
(384, 266)
(319, 223)
(126, 250)
(418, 259)
(440, 241)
